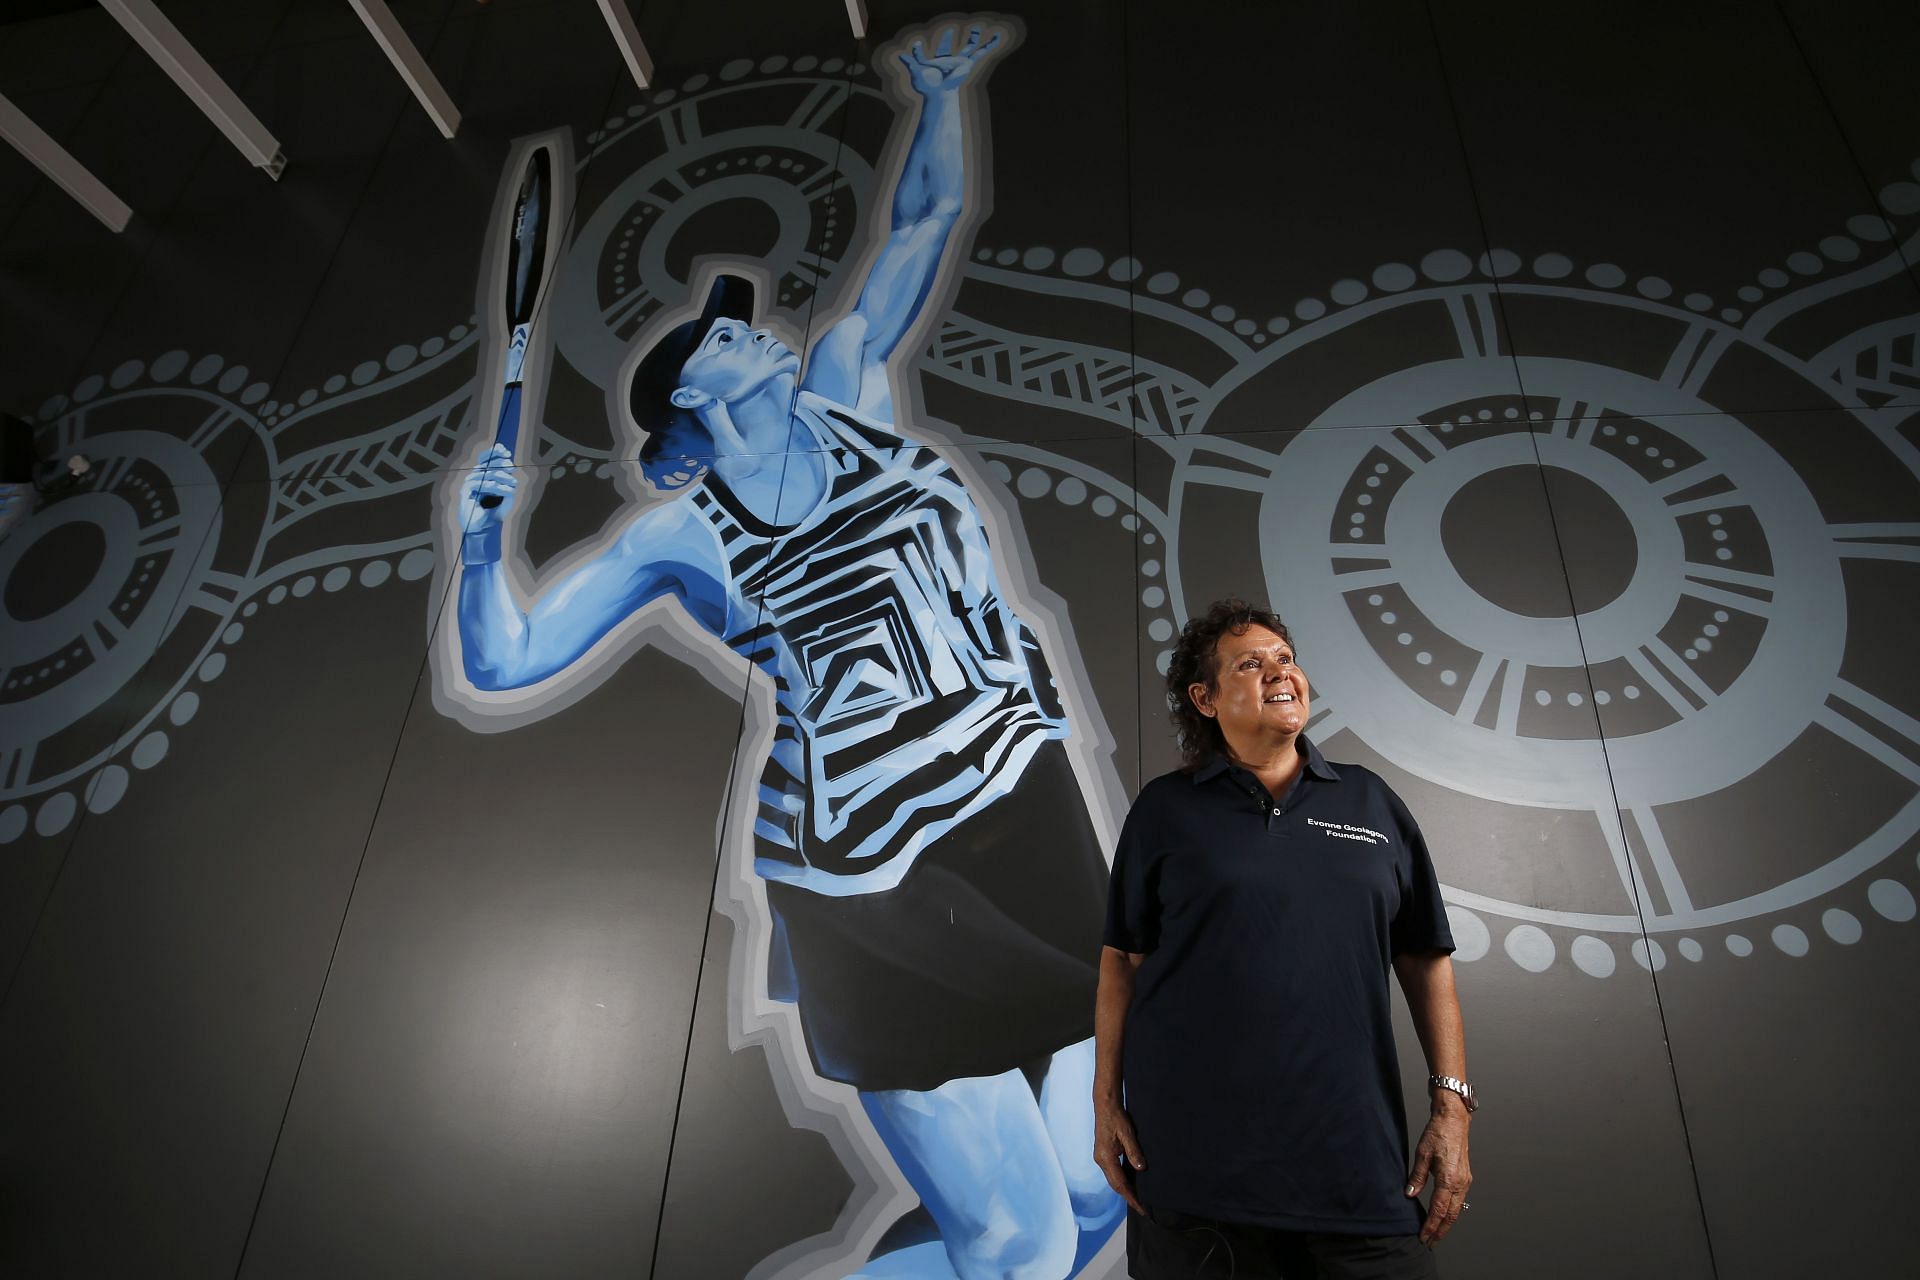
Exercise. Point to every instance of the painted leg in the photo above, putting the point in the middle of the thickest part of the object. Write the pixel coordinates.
(979, 1154)
(1066, 1106)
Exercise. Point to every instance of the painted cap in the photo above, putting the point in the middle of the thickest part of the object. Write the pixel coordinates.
(658, 374)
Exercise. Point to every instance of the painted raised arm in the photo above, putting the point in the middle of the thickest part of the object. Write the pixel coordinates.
(848, 363)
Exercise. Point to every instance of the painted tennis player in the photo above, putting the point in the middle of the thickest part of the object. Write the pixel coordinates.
(927, 849)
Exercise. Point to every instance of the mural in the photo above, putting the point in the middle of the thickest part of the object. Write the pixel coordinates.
(917, 720)
(1721, 523)
(837, 509)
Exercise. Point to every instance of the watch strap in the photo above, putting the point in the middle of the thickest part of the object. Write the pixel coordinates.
(1461, 1087)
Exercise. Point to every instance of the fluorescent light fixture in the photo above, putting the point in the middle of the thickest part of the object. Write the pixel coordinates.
(54, 160)
(406, 59)
(627, 36)
(181, 61)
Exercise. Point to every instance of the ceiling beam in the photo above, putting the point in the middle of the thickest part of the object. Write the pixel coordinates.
(406, 59)
(627, 36)
(54, 160)
(181, 61)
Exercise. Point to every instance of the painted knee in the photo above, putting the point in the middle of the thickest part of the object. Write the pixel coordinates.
(1095, 1204)
(1032, 1242)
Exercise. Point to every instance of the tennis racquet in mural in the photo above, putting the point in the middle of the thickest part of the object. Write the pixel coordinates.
(525, 286)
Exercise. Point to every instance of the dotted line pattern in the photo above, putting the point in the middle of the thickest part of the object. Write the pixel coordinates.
(1898, 200)
(397, 360)
(1449, 266)
(1535, 949)
(233, 381)
(228, 380)
(107, 786)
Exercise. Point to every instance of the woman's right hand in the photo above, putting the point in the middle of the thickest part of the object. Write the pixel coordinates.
(1116, 1150)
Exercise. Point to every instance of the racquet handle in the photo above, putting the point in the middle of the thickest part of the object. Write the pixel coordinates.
(508, 432)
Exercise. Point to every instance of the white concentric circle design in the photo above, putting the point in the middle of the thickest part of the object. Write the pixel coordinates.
(1703, 748)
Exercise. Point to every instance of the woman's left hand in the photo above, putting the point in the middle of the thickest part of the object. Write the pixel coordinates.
(1442, 1153)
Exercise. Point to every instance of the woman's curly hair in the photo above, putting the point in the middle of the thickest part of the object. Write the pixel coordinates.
(1196, 660)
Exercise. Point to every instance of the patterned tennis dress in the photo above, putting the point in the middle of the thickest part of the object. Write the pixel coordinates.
(910, 696)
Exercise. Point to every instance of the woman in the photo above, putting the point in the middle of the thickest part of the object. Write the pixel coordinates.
(1247, 1094)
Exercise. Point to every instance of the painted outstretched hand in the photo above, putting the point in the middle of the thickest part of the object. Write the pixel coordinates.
(948, 68)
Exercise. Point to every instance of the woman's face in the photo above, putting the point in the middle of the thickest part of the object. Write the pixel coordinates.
(1259, 697)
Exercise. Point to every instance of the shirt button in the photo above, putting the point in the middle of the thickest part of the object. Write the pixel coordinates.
(1276, 813)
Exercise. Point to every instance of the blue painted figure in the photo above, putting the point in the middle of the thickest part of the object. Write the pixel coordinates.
(928, 856)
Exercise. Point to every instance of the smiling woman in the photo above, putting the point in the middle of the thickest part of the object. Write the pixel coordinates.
(1257, 644)
(1246, 1090)
(1257, 695)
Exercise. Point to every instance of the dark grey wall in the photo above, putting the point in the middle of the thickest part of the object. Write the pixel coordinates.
(1527, 357)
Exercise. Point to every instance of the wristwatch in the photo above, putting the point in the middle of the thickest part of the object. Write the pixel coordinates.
(1460, 1087)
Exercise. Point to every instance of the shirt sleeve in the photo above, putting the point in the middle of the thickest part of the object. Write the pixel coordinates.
(1133, 907)
(1421, 924)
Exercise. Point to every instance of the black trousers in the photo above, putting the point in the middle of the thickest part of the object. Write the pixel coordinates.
(1179, 1246)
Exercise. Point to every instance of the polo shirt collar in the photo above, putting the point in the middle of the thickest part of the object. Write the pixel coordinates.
(1316, 765)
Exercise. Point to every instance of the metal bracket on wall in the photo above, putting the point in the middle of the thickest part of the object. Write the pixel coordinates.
(54, 160)
(183, 63)
(627, 36)
(406, 59)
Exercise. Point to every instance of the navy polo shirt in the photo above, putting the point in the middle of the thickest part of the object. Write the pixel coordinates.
(1259, 1060)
